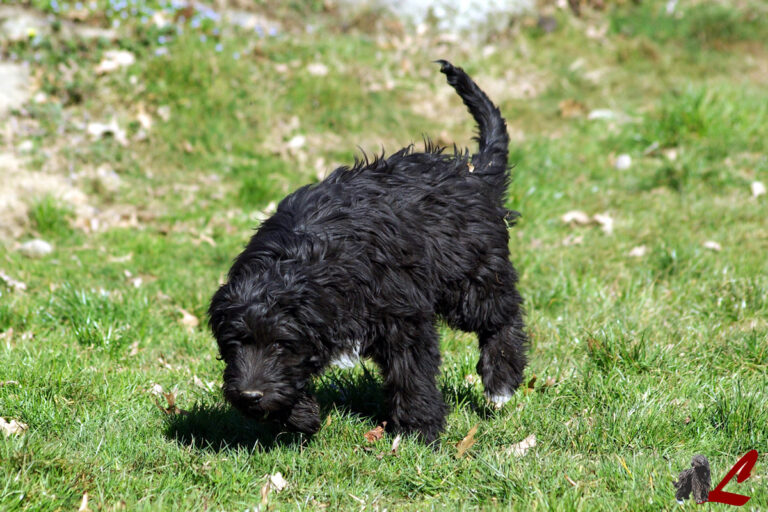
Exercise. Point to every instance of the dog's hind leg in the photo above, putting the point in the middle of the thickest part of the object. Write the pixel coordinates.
(491, 307)
(503, 343)
(411, 363)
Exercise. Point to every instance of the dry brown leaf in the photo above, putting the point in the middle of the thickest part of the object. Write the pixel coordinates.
(550, 382)
(531, 385)
(134, 349)
(466, 443)
(170, 398)
(570, 108)
(9, 383)
(188, 319)
(571, 481)
(328, 421)
(521, 448)
(375, 434)
(12, 427)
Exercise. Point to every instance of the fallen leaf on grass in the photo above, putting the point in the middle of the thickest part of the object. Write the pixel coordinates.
(275, 482)
(12, 427)
(638, 252)
(521, 448)
(531, 385)
(11, 282)
(576, 217)
(188, 319)
(375, 434)
(396, 444)
(550, 382)
(570, 108)
(758, 189)
(134, 349)
(712, 246)
(84, 504)
(605, 221)
(571, 481)
(466, 443)
(170, 398)
(9, 383)
(113, 60)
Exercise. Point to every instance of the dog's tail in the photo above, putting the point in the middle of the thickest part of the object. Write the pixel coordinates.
(491, 159)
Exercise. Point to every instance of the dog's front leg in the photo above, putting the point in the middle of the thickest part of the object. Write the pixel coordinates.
(305, 415)
(410, 367)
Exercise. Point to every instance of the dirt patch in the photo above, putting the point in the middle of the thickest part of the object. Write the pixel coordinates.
(22, 187)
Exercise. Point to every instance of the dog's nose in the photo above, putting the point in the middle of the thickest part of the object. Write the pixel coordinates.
(251, 394)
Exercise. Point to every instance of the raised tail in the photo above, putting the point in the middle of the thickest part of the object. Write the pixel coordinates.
(491, 159)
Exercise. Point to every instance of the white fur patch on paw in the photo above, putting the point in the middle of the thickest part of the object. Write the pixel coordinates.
(498, 401)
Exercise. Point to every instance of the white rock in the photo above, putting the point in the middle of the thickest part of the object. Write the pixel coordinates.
(758, 189)
(623, 162)
(36, 248)
(26, 146)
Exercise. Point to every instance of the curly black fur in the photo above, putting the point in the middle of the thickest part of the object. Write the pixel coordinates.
(362, 264)
(694, 480)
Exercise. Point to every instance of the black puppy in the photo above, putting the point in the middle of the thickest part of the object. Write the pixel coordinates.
(363, 264)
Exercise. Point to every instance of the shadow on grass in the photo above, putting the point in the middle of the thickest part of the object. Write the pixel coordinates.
(357, 394)
(219, 427)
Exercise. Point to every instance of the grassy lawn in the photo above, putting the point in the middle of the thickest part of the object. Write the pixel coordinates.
(649, 337)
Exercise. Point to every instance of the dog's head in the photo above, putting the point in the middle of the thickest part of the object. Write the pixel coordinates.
(269, 354)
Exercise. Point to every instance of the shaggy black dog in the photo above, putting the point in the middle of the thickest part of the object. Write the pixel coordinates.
(695, 479)
(363, 264)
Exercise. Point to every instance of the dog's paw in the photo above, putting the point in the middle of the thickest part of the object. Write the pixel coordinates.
(499, 400)
(305, 416)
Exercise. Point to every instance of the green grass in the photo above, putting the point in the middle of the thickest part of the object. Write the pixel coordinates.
(640, 363)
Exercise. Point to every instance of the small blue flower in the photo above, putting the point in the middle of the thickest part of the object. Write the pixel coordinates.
(203, 38)
(273, 31)
(236, 55)
(78, 6)
(215, 31)
(259, 30)
(161, 40)
(161, 51)
(219, 47)
(195, 23)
